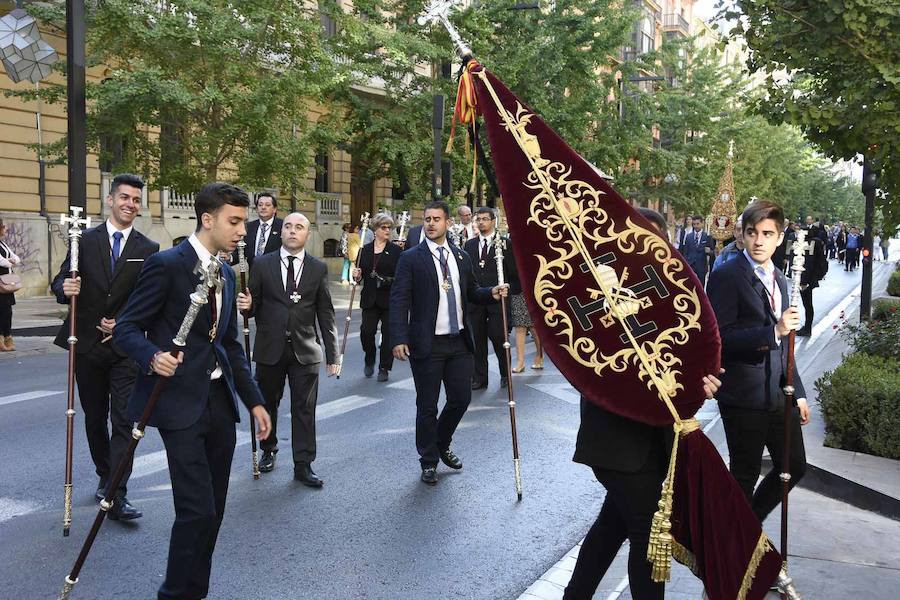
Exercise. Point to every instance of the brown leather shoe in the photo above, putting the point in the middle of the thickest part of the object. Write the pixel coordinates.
(10, 346)
(3, 347)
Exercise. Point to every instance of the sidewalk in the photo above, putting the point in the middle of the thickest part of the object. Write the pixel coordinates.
(844, 529)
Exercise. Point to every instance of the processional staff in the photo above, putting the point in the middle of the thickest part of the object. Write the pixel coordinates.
(785, 584)
(75, 221)
(209, 279)
(403, 219)
(362, 236)
(242, 269)
(499, 246)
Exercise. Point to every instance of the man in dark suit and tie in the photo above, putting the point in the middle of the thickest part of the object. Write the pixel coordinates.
(289, 292)
(263, 234)
(487, 320)
(751, 300)
(414, 237)
(697, 248)
(110, 260)
(198, 409)
(433, 283)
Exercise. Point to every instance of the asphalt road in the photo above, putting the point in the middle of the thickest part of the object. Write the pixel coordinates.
(374, 531)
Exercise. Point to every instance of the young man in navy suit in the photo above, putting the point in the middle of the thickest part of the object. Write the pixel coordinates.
(197, 411)
(432, 285)
(697, 248)
(750, 296)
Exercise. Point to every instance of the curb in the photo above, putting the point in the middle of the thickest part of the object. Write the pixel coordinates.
(831, 485)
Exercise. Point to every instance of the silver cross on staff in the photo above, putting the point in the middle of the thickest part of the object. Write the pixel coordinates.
(439, 10)
(76, 221)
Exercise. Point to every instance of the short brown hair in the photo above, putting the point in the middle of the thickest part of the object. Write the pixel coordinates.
(760, 211)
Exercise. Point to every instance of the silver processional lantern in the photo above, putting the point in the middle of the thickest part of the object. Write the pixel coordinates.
(26, 56)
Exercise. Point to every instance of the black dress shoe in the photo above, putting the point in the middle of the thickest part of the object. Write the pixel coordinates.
(382, 374)
(370, 368)
(267, 463)
(429, 475)
(450, 459)
(122, 510)
(478, 386)
(304, 474)
(504, 382)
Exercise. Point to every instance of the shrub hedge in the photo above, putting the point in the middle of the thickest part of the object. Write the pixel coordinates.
(860, 403)
(893, 286)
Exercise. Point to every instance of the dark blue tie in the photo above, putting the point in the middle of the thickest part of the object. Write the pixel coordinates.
(451, 295)
(116, 249)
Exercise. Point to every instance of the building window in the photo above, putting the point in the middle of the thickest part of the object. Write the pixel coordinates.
(322, 175)
(331, 249)
(112, 152)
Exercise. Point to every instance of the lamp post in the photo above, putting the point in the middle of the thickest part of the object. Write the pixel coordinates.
(869, 185)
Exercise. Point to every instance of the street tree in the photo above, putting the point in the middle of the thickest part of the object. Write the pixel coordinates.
(832, 68)
(201, 90)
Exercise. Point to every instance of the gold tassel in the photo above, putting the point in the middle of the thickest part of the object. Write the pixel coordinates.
(659, 551)
(763, 545)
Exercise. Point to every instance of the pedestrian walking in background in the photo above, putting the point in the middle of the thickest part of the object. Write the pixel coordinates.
(345, 252)
(377, 265)
(851, 251)
(8, 260)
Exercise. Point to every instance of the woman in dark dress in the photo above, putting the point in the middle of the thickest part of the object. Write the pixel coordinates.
(8, 260)
(377, 262)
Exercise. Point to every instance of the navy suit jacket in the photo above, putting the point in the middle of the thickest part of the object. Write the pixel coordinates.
(754, 363)
(412, 237)
(414, 299)
(149, 323)
(695, 253)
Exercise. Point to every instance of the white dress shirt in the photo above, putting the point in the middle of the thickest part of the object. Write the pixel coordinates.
(259, 232)
(481, 240)
(442, 325)
(298, 266)
(111, 229)
(205, 257)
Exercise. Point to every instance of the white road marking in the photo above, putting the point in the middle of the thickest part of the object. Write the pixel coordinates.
(155, 462)
(403, 384)
(10, 507)
(28, 396)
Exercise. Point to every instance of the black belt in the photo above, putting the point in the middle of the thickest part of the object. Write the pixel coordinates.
(448, 336)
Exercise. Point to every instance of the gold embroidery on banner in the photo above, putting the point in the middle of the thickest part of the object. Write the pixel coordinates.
(580, 204)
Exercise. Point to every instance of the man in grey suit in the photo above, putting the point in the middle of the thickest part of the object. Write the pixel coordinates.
(290, 295)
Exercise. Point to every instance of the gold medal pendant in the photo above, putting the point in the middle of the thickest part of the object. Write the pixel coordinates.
(446, 285)
(212, 332)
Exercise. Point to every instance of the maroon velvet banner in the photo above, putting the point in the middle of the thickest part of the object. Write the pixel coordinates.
(714, 524)
(634, 325)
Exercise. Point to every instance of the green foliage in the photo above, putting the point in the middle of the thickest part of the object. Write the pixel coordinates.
(885, 308)
(893, 287)
(227, 84)
(876, 337)
(861, 405)
(832, 68)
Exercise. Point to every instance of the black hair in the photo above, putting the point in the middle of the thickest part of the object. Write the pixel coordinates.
(213, 196)
(266, 195)
(696, 218)
(654, 217)
(760, 211)
(438, 205)
(125, 179)
(486, 210)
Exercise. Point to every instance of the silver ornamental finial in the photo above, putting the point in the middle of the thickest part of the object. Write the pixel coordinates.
(439, 10)
(75, 221)
(242, 258)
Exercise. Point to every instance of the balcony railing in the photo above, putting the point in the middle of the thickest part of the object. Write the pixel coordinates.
(675, 22)
(175, 204)
(328, 207)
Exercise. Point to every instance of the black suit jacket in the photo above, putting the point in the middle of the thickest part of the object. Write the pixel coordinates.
(273, 243)
(414, 299)
(414, 237)
(276, 314)
(754, 363)
(103, 292)
(372, 293)
(695, 253)
(608, 441)
(149, 323)
(486, 275)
